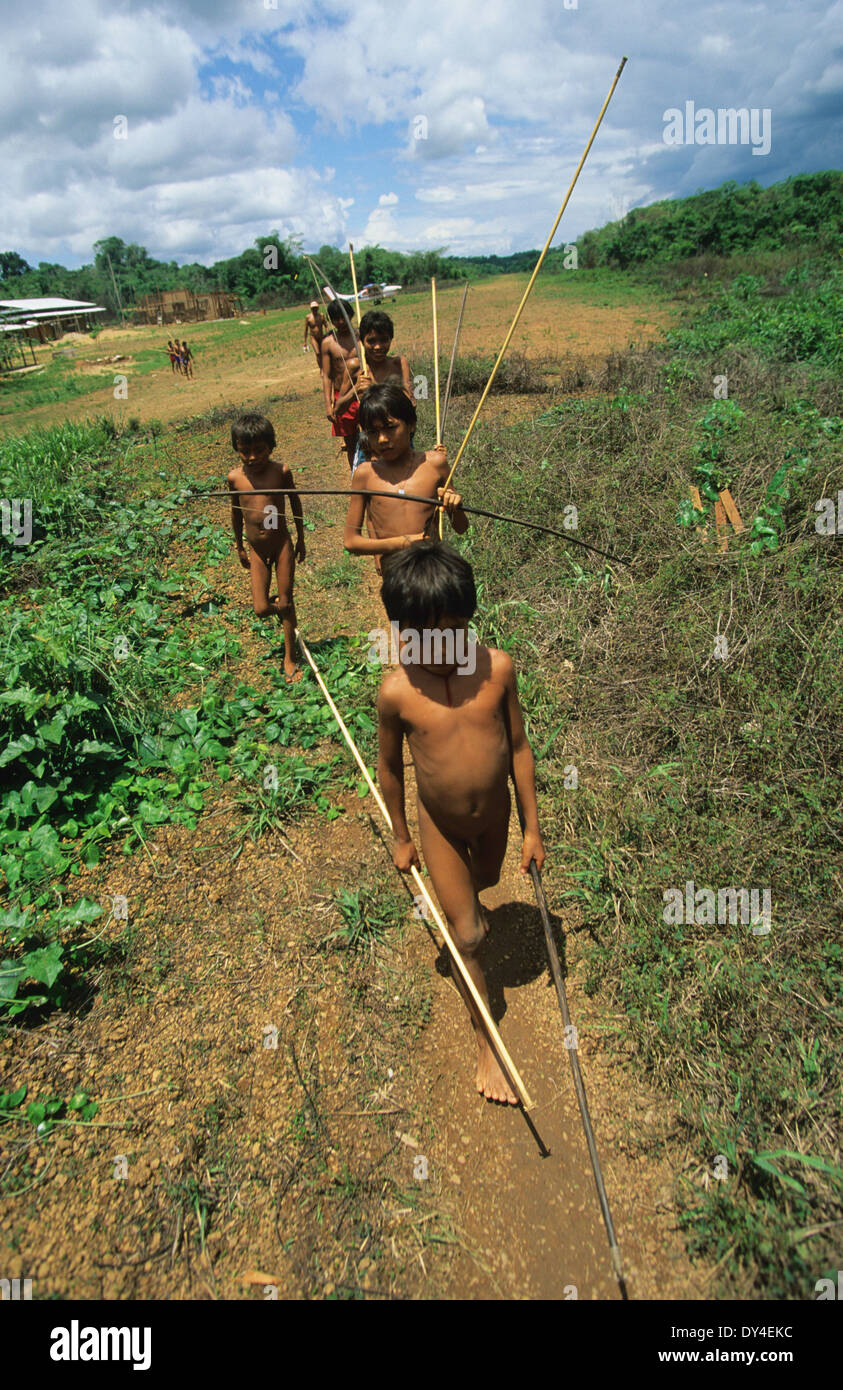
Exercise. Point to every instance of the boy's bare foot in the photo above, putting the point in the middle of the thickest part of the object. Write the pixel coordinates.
(491, 1081)
(292, 673)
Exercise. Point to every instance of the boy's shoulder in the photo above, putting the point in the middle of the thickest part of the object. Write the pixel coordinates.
(501, 663)
(435, 458)
(364, 476)
(278, 466)
(393, 687)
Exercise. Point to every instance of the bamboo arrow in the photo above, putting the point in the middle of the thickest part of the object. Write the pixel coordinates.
(538, 267)
(404, 497)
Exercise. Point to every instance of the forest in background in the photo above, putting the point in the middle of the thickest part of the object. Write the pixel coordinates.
(804, 210)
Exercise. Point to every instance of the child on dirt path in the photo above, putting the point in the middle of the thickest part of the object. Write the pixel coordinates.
(340, 367)
(186, 359)
(175, 363)
(253, 439)
(314, 325)
(465, 730)
(388, 418)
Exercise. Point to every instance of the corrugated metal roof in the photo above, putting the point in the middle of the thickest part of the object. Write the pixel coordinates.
(66, 313)
(32, 306)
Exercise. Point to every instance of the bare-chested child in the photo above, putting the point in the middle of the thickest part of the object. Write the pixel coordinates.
(314, 326)
(270, 543)
(340, 367)
(376, 333)
(388, 418)
(458, 707)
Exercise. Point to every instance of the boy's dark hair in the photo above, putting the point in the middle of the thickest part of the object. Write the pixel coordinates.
(249, 429)
(376, 321)
(337, 312)
(382, 401)
(426, 581)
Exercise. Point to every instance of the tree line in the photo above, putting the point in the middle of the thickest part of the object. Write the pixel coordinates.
(273, 272)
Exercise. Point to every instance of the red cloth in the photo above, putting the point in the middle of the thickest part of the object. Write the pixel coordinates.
(346, 426)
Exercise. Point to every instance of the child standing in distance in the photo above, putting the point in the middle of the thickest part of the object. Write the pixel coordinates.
(388, 418)
(186, 359)
(175, 364)
(466, 736)
(271, 546)
(340, 366)
(314, 325)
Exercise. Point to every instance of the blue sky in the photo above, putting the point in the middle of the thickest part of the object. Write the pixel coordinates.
(242, 117)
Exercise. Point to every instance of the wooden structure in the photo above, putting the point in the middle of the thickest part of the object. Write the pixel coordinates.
(185, 306)
(41, 320)
(14, 341)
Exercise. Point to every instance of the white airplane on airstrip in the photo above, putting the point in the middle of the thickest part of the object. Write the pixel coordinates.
(367, 294)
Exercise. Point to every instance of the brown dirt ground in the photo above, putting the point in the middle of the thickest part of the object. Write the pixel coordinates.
(293, 1166)
(549, 326)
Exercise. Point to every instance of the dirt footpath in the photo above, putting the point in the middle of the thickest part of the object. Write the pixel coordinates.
(298, 1167)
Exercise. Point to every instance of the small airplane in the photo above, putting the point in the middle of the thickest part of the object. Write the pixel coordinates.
(367, 294)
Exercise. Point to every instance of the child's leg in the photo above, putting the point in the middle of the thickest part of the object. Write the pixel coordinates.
(286, 569)
(450, 868)
(488, 850)
(260, 575)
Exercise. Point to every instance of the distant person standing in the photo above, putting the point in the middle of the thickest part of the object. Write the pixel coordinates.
(186, 359)
(314, 324)
(175, 364)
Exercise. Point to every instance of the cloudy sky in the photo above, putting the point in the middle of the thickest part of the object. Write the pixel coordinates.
(413, 123)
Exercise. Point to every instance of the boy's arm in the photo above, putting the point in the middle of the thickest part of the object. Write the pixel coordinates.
(451, 499)
(391, 778)
(237, 524)
(295, 507)
(350, 393)
(326, 381)
(523, 769)
(407, 378)
(452, 505)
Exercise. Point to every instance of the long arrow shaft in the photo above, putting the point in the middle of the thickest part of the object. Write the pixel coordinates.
(571, 1049)
(403, 497)
(539, 263)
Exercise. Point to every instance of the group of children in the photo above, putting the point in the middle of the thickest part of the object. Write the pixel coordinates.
(344, 382)
(462, 721)
(181, 357)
